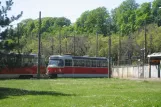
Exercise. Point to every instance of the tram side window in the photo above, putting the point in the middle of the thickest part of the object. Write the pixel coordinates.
(77, 63)
(3, 62)
(103, 63)
(81, 63)
(18, 61)
(98, 63)
(30, 62)
(68, 62)
(88, 63)
(27, 61)
(106, 64)
(93, 63)
(42, 62)
(10, 61)
(34, 61)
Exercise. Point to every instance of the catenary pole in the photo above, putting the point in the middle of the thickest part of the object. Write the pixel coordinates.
(97, 44)
(39, 47)
(109, 51)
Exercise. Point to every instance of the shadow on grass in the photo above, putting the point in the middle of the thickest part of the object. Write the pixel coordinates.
(5, 92)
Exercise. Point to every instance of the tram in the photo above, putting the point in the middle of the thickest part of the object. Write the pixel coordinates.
(77, 66)
(20, 66)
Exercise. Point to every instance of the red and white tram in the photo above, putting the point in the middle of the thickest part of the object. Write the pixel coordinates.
(20, 66)
(77, 66)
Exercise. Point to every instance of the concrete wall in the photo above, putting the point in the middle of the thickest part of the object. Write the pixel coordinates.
(134, 72)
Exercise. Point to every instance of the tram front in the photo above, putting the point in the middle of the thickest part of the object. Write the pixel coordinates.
(55, 66)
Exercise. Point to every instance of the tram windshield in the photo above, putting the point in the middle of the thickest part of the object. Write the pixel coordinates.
(55, 63)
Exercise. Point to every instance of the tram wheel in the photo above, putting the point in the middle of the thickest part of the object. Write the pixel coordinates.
(25, 76)
(53, 76)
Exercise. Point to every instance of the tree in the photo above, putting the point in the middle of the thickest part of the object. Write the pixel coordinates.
(93, 21)
(114, 26)
(156, 11)
(5, 36)
(81, 22)
(125, 16)
(143, 14)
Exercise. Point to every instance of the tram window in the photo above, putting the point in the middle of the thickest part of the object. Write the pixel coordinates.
(28, 61)
(25, 60)
(88, 63)
(98, 63)
(81, 63)
(42, 62)
(61, 63)
(18, 61)
(104, 64)
(76, 62)
(93, 63)
(101, 63)
(68, 62)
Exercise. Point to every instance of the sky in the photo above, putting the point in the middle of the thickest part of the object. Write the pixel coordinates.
(71, 9)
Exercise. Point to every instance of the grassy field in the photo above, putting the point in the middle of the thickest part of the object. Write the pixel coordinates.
(85, 92)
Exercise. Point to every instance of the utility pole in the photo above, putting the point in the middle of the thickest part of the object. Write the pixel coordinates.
(59, 42)
(18, 33)
(109, 51)
(119, 50)
(129, 49)
(74, 44)
(66, 44)
(109, 57)
(39, 47)
(145, 43)
(96, 43)
(143, 53)
(150, 44)
(145, 48)
(52, 46)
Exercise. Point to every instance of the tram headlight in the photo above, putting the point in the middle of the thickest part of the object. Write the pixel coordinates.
(59, 70)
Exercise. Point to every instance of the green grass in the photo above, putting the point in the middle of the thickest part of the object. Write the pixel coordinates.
(85, 92)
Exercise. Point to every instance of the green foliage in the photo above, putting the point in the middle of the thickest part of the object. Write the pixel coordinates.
(5, 36)
(155, 9)
(49, 25)
(93, 21)
(143, 15)
(125, 16)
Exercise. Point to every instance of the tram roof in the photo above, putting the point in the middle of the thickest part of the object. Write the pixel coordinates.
(92, 58)
(17, 54)
(76, 57)
(60, 56)
(20, 54)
